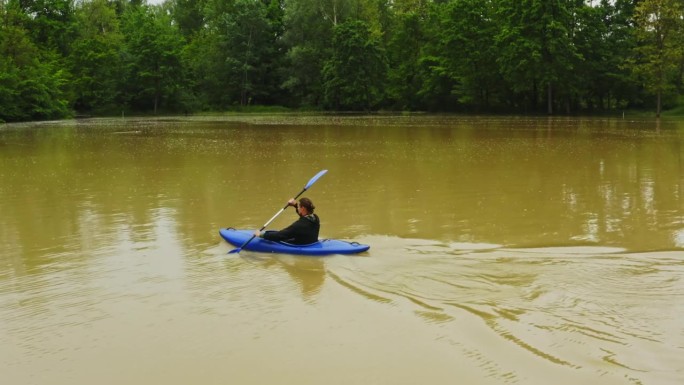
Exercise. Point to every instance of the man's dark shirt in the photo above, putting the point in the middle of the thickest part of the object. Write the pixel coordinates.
(302, 232)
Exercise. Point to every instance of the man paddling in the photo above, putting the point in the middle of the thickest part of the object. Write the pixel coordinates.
(303, 231)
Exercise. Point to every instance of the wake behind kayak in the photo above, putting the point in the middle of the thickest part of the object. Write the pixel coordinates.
(322, 247)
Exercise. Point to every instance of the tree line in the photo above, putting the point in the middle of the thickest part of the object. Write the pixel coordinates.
(97, 57)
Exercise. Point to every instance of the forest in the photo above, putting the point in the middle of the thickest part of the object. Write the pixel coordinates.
(66, 58)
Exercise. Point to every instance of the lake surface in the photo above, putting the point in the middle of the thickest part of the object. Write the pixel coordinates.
(504, 250)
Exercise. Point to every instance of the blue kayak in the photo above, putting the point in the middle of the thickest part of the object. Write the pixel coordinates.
(322, 247)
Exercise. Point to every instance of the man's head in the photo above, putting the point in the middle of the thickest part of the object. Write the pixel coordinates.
(306, 204)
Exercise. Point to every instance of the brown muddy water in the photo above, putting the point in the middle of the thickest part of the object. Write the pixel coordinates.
(503, 251)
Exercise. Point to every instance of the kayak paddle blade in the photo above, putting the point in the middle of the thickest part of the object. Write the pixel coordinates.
(314, 179)
(243, 245)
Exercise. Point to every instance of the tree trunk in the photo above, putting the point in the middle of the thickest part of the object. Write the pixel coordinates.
(245, 79)
(549, 99)
(156, 92)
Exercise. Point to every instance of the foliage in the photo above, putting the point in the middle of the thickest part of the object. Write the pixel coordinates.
(33, 84)
(354, 74)
(404, 51)
(660, 24)
(469, 26)
(152, 73)
(95, 60)
(59, 57)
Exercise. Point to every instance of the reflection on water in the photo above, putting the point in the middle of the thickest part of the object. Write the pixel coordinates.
(523, 183)
(503, 250)
(308, 273)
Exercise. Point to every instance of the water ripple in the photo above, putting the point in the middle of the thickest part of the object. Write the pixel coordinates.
(568, 306)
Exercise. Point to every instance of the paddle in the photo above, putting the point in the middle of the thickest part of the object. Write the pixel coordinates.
(311, 181)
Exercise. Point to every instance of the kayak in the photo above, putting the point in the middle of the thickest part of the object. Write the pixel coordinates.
(322, 247)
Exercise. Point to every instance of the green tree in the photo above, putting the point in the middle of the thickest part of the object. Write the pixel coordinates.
(153, 76)
(189, 16)
(536, 49)
(355, 74)
(436, 66)
(307, 37)
(95, 57)
(602, 34)
(404, 52)
(236, 59)
(252, 44)
(32, 82)
(659, 49)
(50, 23)
(466, 51)
(9, 79)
